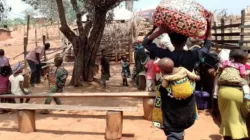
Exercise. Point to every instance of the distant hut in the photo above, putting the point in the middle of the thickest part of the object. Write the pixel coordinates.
(4, 34)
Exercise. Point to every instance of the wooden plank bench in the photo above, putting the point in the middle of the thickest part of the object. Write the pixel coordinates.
(26, 116)
(148, 98)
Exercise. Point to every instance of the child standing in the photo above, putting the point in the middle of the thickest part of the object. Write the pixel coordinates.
(150, 73)
(58, 76)
(16, 82)
(125, 70)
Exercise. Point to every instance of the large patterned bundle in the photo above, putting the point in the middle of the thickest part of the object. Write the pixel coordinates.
(186, 17)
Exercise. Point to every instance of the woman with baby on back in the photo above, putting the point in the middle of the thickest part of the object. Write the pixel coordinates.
(233, 86)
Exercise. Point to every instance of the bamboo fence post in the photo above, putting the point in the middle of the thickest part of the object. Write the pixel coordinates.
(242, 29)
(222, 30)
(231, 29)
(216, 38)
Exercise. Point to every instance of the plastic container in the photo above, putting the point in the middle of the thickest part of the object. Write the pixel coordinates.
(202, 99)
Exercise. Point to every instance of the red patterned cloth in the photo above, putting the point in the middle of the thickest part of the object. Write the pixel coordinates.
(186, 17)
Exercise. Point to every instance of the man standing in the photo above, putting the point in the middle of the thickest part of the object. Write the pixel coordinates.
(34, 60)
(105, 69)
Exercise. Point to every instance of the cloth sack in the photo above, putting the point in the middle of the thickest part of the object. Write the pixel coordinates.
(186, 17)
(231, 76)
(224, 55)
(181, 88)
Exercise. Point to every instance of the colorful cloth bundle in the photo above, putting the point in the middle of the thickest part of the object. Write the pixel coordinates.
(186, 17)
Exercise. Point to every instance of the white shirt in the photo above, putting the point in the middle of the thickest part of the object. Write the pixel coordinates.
(15, 84)
(164, 42)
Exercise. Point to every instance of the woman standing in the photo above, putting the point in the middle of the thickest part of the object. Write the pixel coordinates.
(232, 106)
(234, 111)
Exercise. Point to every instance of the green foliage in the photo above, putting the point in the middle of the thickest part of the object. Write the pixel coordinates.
(4, 9)
(48, 9)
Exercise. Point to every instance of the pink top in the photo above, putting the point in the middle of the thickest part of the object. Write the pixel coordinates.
(150, 74)
(4, 81)
(32, 54)
(238, 66)
(4, 61)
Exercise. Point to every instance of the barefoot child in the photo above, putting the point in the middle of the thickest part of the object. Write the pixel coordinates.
(150, 73)
(16, 82)
(125, 70)
(58, 76)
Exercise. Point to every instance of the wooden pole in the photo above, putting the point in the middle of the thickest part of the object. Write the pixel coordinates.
(216, 38)
(47, 34)
(26, 121)
(25, 43)
(114, 122)
(148, 106)
(26, 75)
(231, 29)
(28, 25)
(36, 37)
(243, 14)
(44, 39)
(222, 29)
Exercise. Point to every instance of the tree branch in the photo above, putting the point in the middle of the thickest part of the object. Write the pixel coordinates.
(69, 34)
(78, 17)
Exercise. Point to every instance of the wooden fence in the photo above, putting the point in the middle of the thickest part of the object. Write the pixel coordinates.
(232, 34)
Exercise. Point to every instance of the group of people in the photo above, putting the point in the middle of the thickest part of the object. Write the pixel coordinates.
(177, 86)
(12, 78)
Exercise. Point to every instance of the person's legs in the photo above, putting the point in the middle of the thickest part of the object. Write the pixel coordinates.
(148, 85)
(33, 69)
(21, 100)
(227, 138)
(153, 85)
(174, 135)
(38, 74)
(58, 101)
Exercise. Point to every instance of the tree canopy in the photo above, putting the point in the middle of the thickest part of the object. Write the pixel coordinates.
(4, 9)
(48, 9)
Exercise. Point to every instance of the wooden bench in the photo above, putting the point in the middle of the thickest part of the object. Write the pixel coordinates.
(26, 116)
(148, 98)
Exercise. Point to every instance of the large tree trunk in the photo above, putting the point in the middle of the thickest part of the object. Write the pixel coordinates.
(77, 76)
(93, 44)
(87, 43)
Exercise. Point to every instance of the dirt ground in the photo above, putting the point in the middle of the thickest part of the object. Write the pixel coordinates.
(90, 125)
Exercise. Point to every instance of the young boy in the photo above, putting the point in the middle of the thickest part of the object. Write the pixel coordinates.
(16, 82)
(105, 69)
(125, 70)
(58, 76)
(150, 73)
